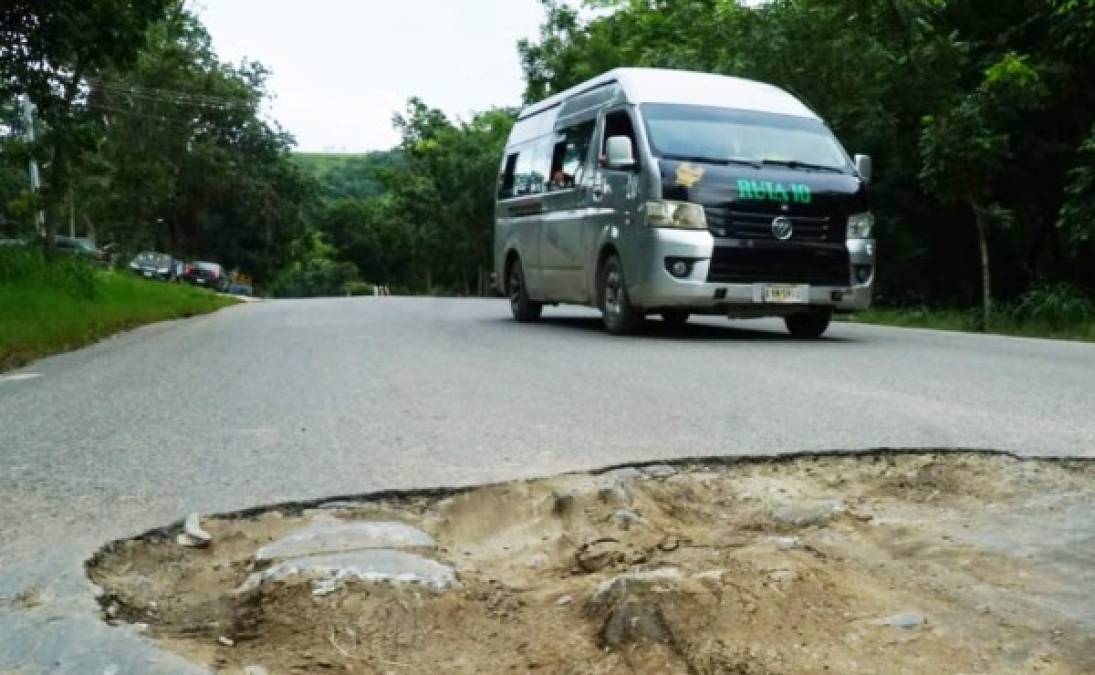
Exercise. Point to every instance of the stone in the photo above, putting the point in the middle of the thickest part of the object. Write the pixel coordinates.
(227, 642)
(565, 600)
(346, 535)
(905, 620)
(563, 503)
(331, 571)
(618, 588)
(538, 561)
(625, 519)
(614, 495)
(659, 471)
(255, 670)
(630, 613)
(599, 554)
(633, 622)
(808, 513)
(192, 528)
(786, 543)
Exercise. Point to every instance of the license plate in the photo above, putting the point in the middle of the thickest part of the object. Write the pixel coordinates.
(148, 274)
(786, 294)
(201, 281)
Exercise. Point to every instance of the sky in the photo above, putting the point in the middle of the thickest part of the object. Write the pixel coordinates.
(341, 68)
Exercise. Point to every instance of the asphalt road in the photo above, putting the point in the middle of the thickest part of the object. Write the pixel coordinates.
(288, 400)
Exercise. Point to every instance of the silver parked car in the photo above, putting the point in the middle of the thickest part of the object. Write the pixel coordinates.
(646, 191)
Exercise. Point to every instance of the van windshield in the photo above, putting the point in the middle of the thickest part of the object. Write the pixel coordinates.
(724, 135)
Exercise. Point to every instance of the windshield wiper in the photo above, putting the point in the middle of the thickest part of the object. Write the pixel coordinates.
(795, 164)
(714, 160)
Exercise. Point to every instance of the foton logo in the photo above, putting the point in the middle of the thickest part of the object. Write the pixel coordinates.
(766, 189)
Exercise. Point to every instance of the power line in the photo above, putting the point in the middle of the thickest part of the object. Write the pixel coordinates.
(169, 96)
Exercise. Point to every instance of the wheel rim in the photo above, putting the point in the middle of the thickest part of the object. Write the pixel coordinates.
(514, 290)
(612, 293)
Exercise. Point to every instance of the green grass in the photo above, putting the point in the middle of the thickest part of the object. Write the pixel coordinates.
(52, 307)
(1005, 323)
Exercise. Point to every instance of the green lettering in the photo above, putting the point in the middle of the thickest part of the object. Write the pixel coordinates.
(781, 193)
(758, 189)
(801, 193)
(745, 191)
(769, 189)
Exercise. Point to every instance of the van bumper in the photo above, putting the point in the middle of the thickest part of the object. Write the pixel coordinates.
(655, 288)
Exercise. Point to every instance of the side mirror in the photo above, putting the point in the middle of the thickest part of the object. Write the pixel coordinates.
(863, 167)
(619, 153)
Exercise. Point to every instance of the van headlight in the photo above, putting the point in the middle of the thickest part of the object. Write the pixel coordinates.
(860, 225)
(684, 215)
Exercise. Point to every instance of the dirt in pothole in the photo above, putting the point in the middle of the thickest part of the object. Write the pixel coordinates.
(896, 563)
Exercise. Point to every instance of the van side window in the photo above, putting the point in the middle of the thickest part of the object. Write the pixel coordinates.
(505, 181)
(618, 123)
(569, 155)
(530, 174)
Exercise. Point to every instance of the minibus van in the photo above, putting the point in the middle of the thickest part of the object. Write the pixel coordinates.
(660, 192)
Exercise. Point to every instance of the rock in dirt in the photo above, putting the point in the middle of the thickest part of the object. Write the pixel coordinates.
(599, 554)
(330, 572)
(625, 519)
(614, 495)
(617, 589)
(905, 620)
(630, 612)
(193, 535)
(339, 536)
(255, 670)
(807, 513)
(563, 503)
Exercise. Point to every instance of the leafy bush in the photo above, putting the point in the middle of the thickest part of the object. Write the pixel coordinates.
(27, 266)
(1054, 304)
(316, 277)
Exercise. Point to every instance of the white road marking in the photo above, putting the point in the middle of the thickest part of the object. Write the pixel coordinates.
(18, 377)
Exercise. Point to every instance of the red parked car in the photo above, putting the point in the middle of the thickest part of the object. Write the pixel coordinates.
(210, 275)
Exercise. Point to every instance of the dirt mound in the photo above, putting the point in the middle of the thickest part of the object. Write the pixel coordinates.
(952, 562)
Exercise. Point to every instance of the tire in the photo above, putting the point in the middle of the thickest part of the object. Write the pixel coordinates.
(808, 326)
(674, 318)
(620, 316)
(522, 307)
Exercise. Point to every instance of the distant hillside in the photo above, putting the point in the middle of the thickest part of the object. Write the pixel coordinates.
(348, 175)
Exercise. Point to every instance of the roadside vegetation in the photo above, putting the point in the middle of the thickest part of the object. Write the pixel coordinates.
(48, 306)
(980, 116)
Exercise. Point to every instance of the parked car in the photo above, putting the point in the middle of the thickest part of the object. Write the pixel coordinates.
(208, 274)
(152, 265)
(81, 248)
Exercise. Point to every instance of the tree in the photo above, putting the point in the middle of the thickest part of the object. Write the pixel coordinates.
(48, 49)
(967, 147)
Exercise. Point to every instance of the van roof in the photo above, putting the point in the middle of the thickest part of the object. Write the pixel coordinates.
(657, 85)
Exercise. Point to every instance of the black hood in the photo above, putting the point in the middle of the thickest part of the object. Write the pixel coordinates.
(767, 190)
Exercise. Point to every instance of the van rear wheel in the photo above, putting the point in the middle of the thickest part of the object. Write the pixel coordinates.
(522, 307)
(620, 316)
(808, 326)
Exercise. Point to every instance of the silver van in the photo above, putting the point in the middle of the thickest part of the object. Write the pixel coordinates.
(666, 192)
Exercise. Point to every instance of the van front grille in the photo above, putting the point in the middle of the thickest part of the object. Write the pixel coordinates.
(724, 221)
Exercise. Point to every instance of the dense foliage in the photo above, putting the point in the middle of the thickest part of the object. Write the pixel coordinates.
(160, 145)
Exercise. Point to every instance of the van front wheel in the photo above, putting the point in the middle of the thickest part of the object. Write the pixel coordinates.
(522, 307)
(808, 326)
(620, 316)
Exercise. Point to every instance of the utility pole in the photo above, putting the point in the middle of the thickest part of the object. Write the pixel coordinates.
(35, 180)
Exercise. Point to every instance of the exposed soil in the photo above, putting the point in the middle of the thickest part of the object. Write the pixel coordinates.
(896, 563)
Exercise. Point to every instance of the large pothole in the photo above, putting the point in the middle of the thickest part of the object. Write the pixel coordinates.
(879, 562)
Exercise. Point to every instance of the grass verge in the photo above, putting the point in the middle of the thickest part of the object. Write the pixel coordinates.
(969, 321)
(49, 307)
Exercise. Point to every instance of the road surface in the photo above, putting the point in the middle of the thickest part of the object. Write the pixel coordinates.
(277, 401)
